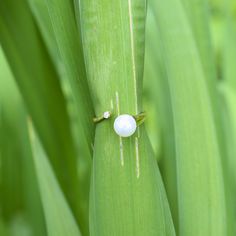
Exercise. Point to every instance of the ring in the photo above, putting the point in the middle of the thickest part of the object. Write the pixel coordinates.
(125, 125)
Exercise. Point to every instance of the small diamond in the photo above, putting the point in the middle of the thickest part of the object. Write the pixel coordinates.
(106, 114)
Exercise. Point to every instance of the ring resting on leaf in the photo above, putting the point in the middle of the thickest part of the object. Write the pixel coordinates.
(125, 125)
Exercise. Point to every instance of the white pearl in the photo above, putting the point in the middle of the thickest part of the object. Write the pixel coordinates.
(125, 125)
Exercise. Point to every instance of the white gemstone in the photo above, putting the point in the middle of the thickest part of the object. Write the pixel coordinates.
(125, 125)
(106, 114)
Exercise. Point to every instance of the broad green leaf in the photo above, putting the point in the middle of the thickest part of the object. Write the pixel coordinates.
(40, 88)
(70, 46)
(161, 95)
(59, 218)
(19, 190)
(198, 168)
(127, 194)
(198, 13)
(60, 16)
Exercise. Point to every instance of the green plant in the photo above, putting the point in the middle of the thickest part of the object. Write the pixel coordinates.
(64, 62)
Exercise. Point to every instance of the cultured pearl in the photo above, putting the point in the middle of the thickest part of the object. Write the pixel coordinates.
(125, 125)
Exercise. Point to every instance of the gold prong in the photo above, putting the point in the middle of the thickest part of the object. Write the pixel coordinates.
(140, 118)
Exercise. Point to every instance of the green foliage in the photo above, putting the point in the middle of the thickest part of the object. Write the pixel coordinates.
(64, 62)
(40, 88)
(124, 170)
(58, 215)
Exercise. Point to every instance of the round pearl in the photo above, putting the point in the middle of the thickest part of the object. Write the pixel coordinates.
(125, 125)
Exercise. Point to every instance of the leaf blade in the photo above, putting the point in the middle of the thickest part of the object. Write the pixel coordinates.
(125, 173)
(46, 104)
(195, 136)
(59, 218)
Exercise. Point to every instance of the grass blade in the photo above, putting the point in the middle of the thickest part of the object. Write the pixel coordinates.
(126, 182)
(10, 146)
(46, 104)
(198, 15)
(60, 16)
(19, 189)
(42, 17)
(161, 92)
(201, 203)
(59, 218)
(69, 43)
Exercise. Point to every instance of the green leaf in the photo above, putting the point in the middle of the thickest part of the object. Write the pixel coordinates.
(39, 85)
(151, 98)
(42, 17)
(10, 144)
(198, 168)
(228, 101)
(198, 16)
(59, 218)
(198, 13)
(19, 189)
(70, 46)
(127, 194)
(161, 95)
(56, 18)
